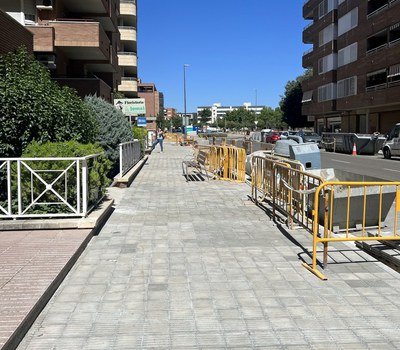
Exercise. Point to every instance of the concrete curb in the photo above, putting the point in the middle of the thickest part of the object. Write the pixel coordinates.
(128, 178)
(89, 222)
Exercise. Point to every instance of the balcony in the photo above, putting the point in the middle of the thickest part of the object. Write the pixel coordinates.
(87, 86)
(127, 33)
(128, 85)
(127, 59)
(87, 6)
(127, 8)
(128, 62)
(43, 38)
(81, 40)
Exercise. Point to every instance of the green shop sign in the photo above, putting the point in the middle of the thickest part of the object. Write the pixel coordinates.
(131, 106)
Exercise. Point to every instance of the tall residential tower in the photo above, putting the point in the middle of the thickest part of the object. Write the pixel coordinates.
(355, 61)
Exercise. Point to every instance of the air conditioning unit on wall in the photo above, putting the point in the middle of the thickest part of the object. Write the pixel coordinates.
(44, 4)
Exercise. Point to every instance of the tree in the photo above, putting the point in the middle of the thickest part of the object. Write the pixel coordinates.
(291, 102)
(114, 128)
(33, 107)
(176, 122)
(271, 118)
(162, 123)
(241, 117)
(205, 115)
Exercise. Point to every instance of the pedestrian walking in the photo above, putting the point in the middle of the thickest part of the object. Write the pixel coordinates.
(159, 140)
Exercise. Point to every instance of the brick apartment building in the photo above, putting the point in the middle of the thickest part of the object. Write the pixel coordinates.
(77, 40)
(169, 113)
(355, 60)
(154, 102)
(127, 53)
(11, 28)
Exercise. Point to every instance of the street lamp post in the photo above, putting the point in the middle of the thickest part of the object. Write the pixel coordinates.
(184, 99)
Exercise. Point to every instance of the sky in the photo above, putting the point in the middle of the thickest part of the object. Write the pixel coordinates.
(237, 51)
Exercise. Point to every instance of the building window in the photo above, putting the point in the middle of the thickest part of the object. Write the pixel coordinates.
(327, 63)
(348, 54)
(376, 80)
(394, 34)
(394, 75)
(347, 87)
(348, 21)
(307, 96)
(326, 6)
(327, 92)
(328, 34)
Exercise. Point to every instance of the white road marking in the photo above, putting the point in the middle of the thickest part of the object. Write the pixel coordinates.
(340, 161)
(397, 171)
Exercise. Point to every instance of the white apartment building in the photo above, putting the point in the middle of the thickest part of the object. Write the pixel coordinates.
(218, 111)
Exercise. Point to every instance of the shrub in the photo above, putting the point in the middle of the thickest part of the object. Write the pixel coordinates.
(33, 107)
(114, 129)
(140, 134)
(66, 185)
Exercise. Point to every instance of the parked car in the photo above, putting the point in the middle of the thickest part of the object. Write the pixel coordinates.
(309, 136)
(272, 137)
(391, 146)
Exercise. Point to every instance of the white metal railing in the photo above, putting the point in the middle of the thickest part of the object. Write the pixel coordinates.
(129, 156)
(377, 49)
(62, 189)
(376, 87)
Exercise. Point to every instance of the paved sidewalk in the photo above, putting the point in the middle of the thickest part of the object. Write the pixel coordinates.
(197, 266)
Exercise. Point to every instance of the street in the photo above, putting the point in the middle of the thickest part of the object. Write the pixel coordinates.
(377, 166)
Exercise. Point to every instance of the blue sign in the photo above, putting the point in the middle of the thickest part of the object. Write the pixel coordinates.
(141, 121)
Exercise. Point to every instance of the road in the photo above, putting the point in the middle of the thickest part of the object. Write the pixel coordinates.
(377, 166)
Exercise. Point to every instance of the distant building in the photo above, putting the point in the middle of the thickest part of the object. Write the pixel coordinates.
(154, 102)
(169, 113)
(219, 111)
(355, 59)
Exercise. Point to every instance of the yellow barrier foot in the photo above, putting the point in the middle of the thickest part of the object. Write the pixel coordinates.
(315, 272)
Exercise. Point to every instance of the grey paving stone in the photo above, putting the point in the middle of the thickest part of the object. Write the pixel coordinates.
(191, 266)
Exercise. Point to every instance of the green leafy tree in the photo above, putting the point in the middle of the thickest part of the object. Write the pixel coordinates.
(291, 102)
(271, 118)
(177, 122)
(33, 107)
(241, 117)
(205, 115)
(162, 123)
(114, 128)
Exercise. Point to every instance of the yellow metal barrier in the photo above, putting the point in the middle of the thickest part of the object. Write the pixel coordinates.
(293, 191)
(341, 206)
(331, 211)
(262, 174)
(226, 163)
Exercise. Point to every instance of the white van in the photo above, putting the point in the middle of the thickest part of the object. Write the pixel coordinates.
(391, 147)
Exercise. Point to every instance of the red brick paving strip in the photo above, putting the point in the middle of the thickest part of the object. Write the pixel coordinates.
(30, 263)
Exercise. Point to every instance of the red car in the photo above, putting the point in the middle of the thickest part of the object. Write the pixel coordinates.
(272, 137)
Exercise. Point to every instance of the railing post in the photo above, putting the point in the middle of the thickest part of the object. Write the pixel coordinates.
(9, 186)
(19, 187)
(84, 187)
(120, 161)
